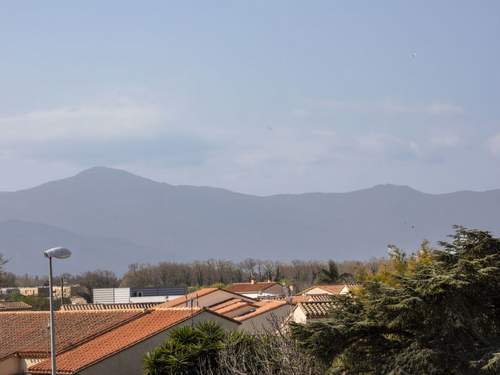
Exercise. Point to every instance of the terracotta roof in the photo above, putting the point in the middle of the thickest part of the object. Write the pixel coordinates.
(116, 340)
(262, 307)
(182, 300)
(235, 305)
(14, 305)
(27, 332)
(114, 306)
(230, 302)
(317, 309)
(251, 287)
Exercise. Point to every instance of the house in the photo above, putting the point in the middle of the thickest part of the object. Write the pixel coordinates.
(254, 315)
(135, 295)
(255, 289)
(92, 342)
(14, 306)
(330, 289)
(304, 312)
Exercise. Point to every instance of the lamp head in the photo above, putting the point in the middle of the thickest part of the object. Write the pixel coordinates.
(58, 253)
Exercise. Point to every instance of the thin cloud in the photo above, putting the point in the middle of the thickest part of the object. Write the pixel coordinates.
(83, 122)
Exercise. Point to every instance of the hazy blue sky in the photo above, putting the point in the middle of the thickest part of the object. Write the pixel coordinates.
(255, 96)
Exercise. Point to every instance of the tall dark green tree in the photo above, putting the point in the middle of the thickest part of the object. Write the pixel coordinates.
(187, 351)
(3, 262)
(442, 316)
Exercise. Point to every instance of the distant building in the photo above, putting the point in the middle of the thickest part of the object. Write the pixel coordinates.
(9, 291)
(135, 295)
(258, 289)
(42, 291)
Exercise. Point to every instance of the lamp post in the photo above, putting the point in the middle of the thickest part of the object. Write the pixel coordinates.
(58, 253)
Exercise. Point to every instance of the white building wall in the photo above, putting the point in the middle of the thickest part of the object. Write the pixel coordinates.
(298, 316)
(267, 321)
(111, 295)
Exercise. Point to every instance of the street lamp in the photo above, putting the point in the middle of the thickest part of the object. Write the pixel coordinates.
(58, 253)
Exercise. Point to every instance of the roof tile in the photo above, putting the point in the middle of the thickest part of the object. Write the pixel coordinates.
(116, 340)
(27, 331)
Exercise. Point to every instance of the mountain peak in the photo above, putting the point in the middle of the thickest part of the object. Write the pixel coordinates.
(394, 188)
(101, 170)
(106, 176)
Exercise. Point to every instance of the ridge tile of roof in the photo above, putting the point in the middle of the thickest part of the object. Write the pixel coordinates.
(116, 340)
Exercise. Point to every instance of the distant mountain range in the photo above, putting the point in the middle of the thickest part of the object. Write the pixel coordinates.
(111, 218)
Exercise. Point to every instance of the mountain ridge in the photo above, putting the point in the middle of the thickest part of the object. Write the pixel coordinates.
(117, 171)
(183, 222)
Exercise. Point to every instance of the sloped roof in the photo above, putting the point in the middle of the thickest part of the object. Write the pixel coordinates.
(230, 305)
(261, 308)
(311, 298)
(316, 309)
(26, 331)
(182, 300)
(251, 287)
(116, 340)
(114, 306)
(14, 305)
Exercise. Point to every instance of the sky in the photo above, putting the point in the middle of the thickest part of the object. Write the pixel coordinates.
(260, 97)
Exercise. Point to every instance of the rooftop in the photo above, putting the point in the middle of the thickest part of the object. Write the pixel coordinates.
(316, 309)
(182, 300)
(150, 323)
(116, 340)
(27, 332)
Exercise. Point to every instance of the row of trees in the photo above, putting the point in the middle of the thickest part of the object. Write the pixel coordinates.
(196, 274)
(434, 312)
